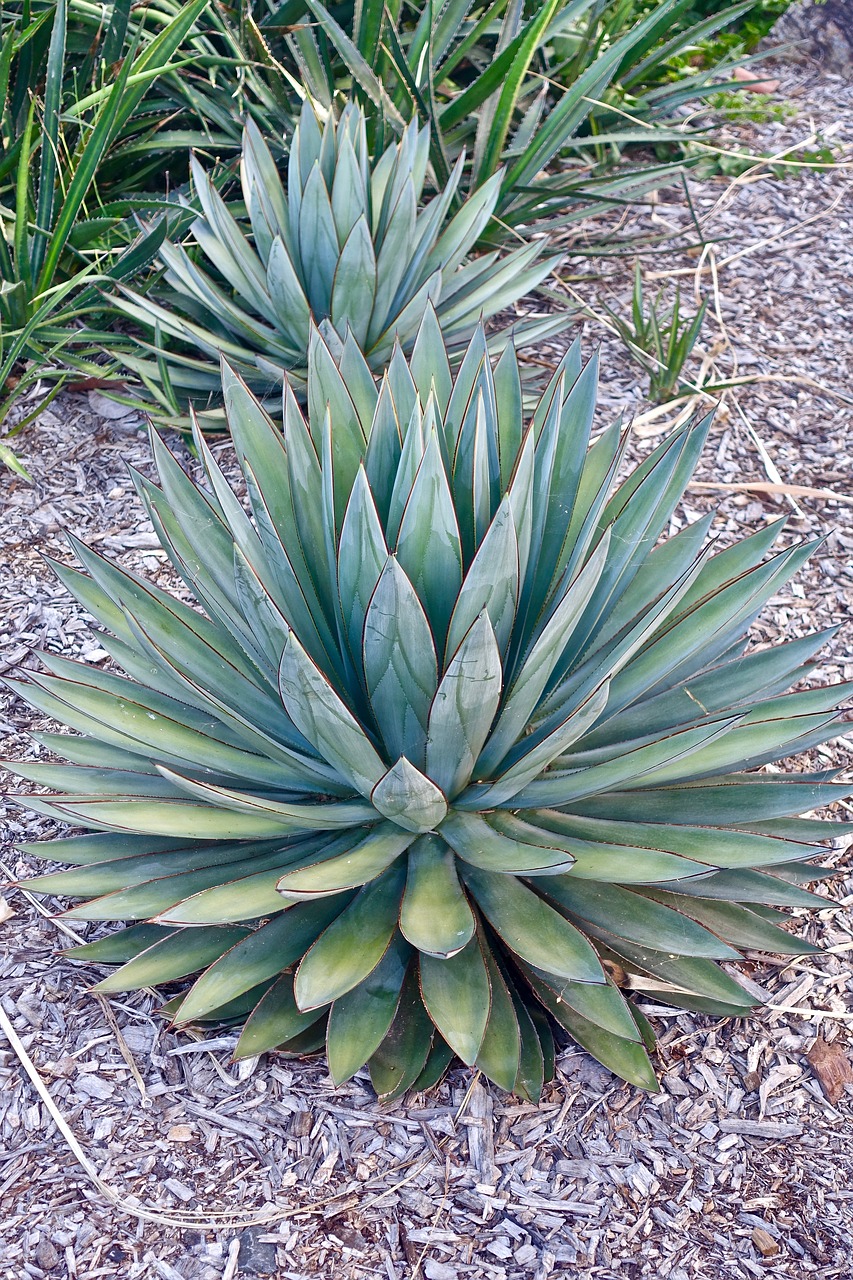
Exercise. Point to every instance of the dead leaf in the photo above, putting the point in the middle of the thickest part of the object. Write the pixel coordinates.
(832, 1068)
(751, 84)
(6, 911)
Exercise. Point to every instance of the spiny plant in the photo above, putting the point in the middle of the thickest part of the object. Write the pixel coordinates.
(519, 85)
(345, 247)
(660, 342)
(58, 239)
(456, 745)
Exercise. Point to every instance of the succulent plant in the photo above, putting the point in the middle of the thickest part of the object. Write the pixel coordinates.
(345, 246)
(456, 746)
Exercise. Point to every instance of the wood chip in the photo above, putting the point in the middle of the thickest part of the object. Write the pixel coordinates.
(764, 1243)
(762, 1128)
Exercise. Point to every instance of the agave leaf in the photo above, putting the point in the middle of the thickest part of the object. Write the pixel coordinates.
(353, 944)
(438, 1060)
(165, 817)
(292, 309)
(520, 493)
(491, 583)
(357, 377)
(120, 589)
(116, 948)
(601, 1004)
(689, 976)
(428, 546)
(261, 954)
(362, 555)
(364, 861)
(410, 456)
(468, 377)
(172, 957)
(435, 916)
(97, 781)
(504, 844)
(122, 868)
(745, 745)
(529, 685)
(355, 283)
(739, 924)
(499, 1056)
(400, 1058)
(408, 797)
(668, 561)
(296, 769)
(625, 1058)
(745, 887)
(250, 893)
(671, 656)
(318, 242)
(576, 414)
(399, 664)
(307, 817)
(222, 240)
(391, 261)
(638, 514)
(407, 320)
(322, 718)
(756, 674)
(531, 928)
(259, 178)
(628, 914)
(348, 190)
(713, 846)
(429, 363)
(360, 1020)
(91, 754)
(729, 799)
(531, 1063)
(457, 995)
(530, 760)
(87, 850)
(157, 897)
(275, 1019)
(463, 708)
(636, 762)
(384, 449)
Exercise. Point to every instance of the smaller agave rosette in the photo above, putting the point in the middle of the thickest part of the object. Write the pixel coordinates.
(457, 740)
(344, 243)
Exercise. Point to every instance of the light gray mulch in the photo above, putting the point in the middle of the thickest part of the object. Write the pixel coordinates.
(739, 1167)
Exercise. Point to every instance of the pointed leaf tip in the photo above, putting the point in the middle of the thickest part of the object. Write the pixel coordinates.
(409, 798)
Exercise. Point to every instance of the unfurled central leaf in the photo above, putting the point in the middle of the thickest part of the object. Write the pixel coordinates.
(409, 798)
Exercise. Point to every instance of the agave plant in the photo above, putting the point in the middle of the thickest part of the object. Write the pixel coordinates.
(456, 746)
(344, 247)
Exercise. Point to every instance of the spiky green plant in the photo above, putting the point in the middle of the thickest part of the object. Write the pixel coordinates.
(659, 341)
(345, 246)
(455, 743)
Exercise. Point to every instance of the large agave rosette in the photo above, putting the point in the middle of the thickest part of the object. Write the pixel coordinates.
(457, 742)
